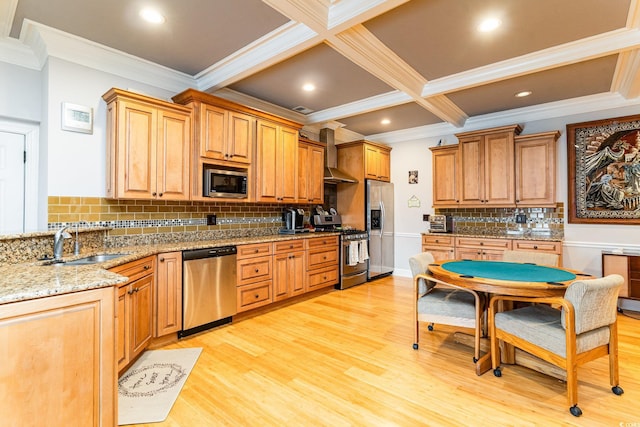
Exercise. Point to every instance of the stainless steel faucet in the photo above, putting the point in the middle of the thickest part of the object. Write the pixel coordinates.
(58, 242)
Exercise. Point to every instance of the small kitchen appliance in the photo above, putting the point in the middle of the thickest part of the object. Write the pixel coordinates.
(322, 220)
(293, 221)
(441, 223)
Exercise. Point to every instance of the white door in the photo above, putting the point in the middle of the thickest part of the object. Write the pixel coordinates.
(12, 168)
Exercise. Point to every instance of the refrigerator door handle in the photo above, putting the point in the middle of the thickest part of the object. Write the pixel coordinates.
(381, 218)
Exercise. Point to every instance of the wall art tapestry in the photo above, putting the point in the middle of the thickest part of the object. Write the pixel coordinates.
(604, 171)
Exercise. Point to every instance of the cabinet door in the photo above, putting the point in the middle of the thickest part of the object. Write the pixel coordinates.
(280, 277)
(168, 298)
(240, 137)
(58, 363)
(468, 253)
(472, 176)
(297, 267)
(287, 167)
(371, 162)
(499, 169)
(122, 327)
(141, 297)
(304, 169)
(440, 252)
(213, 127)
(445, 176)
(536, 169)
(310, 174)
(266, 162)
(136, 150)
(174, 137)
(384, 166)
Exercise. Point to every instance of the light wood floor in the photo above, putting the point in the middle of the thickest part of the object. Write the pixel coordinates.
(346, 359)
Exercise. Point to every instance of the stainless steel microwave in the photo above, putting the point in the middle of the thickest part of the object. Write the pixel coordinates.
(225, 183)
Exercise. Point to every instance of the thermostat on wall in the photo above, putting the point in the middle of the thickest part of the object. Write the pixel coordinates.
(77, 118)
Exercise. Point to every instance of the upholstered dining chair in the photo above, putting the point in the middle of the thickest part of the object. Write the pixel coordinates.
(539, 258)
(437, 302)
(583, 330)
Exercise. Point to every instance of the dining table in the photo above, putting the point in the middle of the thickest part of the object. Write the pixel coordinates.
(506, 278)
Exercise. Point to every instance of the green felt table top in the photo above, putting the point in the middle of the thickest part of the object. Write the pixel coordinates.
(511, 271)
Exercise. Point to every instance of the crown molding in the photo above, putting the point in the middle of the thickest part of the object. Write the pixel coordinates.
(557, 56)
(551, 110)
(14, 52)
(7, 13)
(283, 42)
(258, 104)
(626, 79)
(46, 41)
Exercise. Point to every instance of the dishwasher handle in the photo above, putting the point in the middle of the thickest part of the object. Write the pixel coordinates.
(209, 253)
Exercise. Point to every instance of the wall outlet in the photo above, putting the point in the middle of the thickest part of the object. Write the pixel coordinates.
(211, 219)
(521, 219)
(425, 217)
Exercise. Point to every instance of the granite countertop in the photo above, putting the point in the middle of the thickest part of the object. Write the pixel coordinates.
(552, 237)
(20, 282)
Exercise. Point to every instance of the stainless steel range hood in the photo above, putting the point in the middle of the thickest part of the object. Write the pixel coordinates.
(333, 175)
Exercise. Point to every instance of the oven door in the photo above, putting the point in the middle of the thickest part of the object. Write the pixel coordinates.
(345, 268)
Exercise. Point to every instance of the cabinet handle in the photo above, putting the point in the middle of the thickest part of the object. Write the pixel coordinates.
(146, 267)
(257, 250)
(162, 259)
(154, 194)
(257, 270)
(535, 247)
(160, 194)
(257, 296)
(130, 291)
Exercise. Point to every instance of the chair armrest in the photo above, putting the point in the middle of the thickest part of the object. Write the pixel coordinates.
(444, 284)
(566, 305)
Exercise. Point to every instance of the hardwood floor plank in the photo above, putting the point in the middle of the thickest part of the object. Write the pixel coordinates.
(345, 358)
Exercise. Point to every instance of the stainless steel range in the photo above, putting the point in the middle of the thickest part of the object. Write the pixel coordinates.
(354, 247)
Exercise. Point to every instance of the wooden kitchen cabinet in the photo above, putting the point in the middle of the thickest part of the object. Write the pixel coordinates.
(441, 246)
(276, 163)
(626, 264)
(310, 171)
(377, 163)
(445, 176)
(225, 135)
(547, 246)
(58, 365)
(487, 166)
(255, 276)
(479, 248)
(535, 156)
(148, 147)
(168, 296)
(134, 306)
(354, 158)
(288, 269)
(322, 262)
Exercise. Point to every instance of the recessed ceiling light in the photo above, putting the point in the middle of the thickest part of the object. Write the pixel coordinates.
(385, 121)
(523, 93)
(489, 24)
(309, 87)
(152, 16)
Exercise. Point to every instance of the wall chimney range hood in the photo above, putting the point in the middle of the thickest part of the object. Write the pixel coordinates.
(333, 175)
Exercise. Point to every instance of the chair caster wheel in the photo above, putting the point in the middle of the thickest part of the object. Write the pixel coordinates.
(475, 360)
(497, 372)
(575, 411)
(415, 345)
(617, 390)
(430, 327)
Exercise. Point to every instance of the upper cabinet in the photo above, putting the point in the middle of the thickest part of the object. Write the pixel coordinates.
(310, 171)
(276, 163)
(224, 135)
(148, 143)
(445, 166)
(377, 164)
(487, 166)
(536, 169)
(497, 168)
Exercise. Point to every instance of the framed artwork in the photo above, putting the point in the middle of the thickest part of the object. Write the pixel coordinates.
(413, 177)
(604, 171)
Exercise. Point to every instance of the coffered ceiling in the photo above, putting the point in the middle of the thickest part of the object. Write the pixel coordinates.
(421, 64)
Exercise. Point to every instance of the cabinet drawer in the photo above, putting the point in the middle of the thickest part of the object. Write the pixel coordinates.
(317, 258)
(537, 245)
(322, 278)
(432, 240)
(136, 269)
(483, 243)
(440, 252)
(255, 295)
(254, 250)
(288, 246)
(322, 241)
(254, 269)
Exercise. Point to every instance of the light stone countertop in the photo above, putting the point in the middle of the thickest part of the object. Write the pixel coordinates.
(20, 282)
(519, 236)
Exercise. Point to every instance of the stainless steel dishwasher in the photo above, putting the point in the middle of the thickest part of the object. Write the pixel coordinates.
(208, 288)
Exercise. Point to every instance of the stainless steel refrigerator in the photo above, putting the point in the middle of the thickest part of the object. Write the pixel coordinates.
(379, 215)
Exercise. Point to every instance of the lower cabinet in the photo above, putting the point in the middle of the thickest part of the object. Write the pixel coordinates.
(441, 246)
(478, 248)
(322, 262)
(168, 296)
(255, 276)
(58, 365)
(134, 306)
(539, 246)
(288, 269)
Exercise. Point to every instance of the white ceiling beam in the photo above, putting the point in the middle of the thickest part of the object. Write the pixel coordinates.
(7, 14)
(626, 79)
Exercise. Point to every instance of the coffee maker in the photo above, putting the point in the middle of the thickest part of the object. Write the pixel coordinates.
(293, 221)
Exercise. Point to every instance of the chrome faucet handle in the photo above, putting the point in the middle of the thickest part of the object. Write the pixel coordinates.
(58, 242)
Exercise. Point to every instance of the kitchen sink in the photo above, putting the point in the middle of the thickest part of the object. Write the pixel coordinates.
(93, 259)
